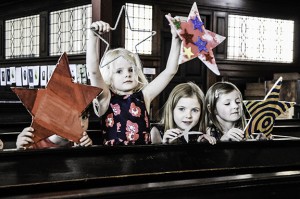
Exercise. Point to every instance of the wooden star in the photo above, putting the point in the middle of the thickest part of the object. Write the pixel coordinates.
(264, 112)
(57, 108)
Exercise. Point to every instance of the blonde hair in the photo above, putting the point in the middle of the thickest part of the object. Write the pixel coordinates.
(211, 99)
(107, 65)
(183, 90)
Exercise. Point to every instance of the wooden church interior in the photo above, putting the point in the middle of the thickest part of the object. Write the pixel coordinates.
(233, 170)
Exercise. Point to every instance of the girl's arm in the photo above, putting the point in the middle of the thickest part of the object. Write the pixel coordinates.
(156, 86)
(92, 64)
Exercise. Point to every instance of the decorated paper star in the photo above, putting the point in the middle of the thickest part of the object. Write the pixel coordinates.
(203, 41)
(264, 112)
(57, 108)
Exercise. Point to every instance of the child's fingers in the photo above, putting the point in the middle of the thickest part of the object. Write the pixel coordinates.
(101, 26)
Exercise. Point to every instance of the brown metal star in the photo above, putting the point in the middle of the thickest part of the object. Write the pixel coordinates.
(57, 108)
(188, 37)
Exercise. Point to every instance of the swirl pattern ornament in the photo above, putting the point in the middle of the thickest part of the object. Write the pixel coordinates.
(264, 113)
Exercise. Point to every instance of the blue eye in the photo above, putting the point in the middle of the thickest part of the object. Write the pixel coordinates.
(195, 110)
(181, 109)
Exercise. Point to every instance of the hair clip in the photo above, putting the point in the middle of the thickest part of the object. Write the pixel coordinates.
(116, 24)
(216, 94)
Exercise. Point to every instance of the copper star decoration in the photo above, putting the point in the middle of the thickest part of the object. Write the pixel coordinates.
(264, 112)
(57, 108)
(194, 35)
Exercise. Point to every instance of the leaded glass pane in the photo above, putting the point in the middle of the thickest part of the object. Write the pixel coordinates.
(140, 17)
(68, 30)
(260, 39)
(22, 37)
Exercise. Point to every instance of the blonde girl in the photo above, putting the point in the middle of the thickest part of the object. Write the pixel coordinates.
(182, 112)
(125, 101)
(225, 118)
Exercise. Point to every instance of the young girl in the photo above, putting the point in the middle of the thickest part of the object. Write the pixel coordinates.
(225, 118)
(183, 111)
(54, 141)
(125, 101)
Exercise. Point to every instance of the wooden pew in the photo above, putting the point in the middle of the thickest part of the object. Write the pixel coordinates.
(235, 169)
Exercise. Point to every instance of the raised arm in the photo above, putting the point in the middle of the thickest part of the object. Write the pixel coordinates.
(157, 85)
(92, 64)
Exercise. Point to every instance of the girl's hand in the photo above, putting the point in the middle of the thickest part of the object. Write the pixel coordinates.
(25, 138)
(101, 27)
(85, 140)
(170, 135)
(205, 137)
(233, 134)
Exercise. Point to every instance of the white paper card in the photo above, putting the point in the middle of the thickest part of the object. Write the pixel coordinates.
(18, 76)
(12, 75)
(3, 76)
(43, 75)
(24, 75)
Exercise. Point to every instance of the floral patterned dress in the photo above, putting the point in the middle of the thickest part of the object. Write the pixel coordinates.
(126, 122)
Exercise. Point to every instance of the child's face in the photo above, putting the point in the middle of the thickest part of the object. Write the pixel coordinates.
(187, 113)
(84, 121)
(229, 107)
(123, 77)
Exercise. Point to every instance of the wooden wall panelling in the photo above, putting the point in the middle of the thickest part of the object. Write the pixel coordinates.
(44, 34)
(2, 33)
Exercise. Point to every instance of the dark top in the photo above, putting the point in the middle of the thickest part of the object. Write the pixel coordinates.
(126, 122)
(215, 132)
